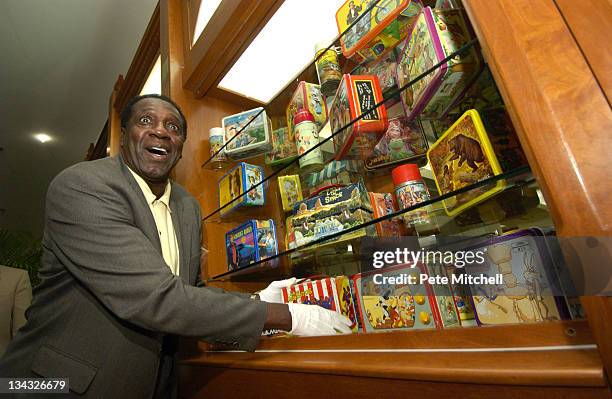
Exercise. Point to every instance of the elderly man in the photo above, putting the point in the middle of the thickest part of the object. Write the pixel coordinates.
(121, 258)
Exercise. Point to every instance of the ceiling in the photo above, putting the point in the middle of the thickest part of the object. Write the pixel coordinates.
(59, 62)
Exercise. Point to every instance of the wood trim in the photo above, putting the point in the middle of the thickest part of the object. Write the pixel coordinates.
(114, 122)
(231, 29)
(191, 9)
(563, 120)
(99, 150)
(211, 382)
(574, 367)
(142, 63)
(234, 98)
(590, 21)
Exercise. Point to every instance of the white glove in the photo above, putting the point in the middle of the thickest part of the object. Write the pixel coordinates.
(273, 293)
(310, 320)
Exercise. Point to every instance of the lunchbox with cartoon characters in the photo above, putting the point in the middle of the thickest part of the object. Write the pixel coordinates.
(331, 212)
(357, 95)
(436, 35)
(235, 188)
(283, 150)
(377, 26)
(444, 296)
(306, 96)
(250, 242)
(247, 134)
(530, 288)
(403, 142)
(386, 305)
(461, 157)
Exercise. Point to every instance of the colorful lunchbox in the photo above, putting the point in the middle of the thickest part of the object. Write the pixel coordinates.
(403, 142)
(251, 242)
(383, 204)
(377, 29)
(528, 285)
(436, 35)
(385, 306)
(356, 95)
(445, 299)
(308, 96)
(329, 293)
(251, 130)
(283, 150)
(462, 296)
(236, 182)
(461, 157)
(290, 191)
(385, 69)
(332, 212)
(334, 174)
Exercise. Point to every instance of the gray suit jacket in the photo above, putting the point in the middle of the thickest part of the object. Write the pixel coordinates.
(106, 297)
(15, 297)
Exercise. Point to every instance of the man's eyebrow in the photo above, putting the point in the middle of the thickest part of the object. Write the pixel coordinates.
(149, 109)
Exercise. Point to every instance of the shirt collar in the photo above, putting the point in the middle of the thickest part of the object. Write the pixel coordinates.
(148, 194)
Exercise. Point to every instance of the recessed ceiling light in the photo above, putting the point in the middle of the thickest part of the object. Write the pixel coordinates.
(42, 137)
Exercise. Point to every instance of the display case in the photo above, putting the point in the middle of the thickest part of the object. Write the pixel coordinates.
(544, 359)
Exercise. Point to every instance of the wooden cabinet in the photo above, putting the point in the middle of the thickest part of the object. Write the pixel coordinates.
(543, 58)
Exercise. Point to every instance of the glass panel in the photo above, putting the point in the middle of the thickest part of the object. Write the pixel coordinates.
(153, 83)
(206, 11)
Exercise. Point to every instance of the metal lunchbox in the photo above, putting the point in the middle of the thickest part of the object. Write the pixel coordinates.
(236, 182)
(436, 35)
(463, 156)
(377, 30)
(402, 142)
(250, 242)
(356, 95)
(252, 134)
(526, 288)
(306, 96)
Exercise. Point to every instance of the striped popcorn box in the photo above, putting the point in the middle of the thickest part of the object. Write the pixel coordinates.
(318, 292)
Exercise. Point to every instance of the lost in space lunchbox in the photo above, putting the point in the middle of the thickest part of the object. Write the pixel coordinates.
(250, 242)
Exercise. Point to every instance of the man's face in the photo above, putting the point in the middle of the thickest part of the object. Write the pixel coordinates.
(153, 139)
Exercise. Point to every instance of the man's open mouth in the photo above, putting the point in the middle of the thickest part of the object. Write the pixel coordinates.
(158, 151)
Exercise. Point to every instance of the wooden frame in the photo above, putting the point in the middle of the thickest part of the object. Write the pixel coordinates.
(563, 120)
(230, 30)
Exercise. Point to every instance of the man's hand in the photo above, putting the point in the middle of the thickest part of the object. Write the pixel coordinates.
(310, 320)
(273, 293)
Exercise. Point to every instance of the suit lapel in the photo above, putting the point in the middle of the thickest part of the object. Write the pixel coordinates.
(182, 229)
(150, 228)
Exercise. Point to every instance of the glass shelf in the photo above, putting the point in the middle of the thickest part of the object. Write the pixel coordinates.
(391, 97)
(496, 214)
(337, 253)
